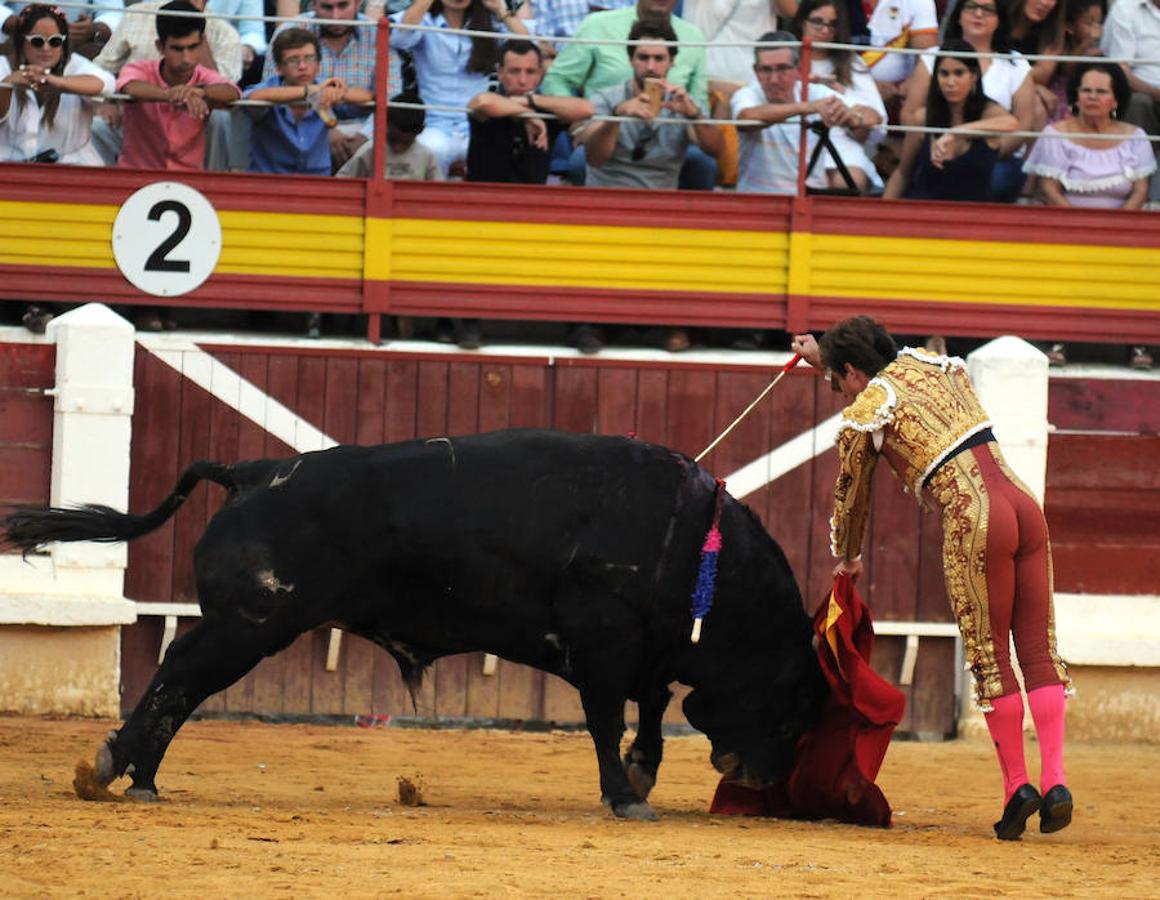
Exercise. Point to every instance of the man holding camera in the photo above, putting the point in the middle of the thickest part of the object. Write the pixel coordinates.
(649, 150)
(645, 153)
(587, 68)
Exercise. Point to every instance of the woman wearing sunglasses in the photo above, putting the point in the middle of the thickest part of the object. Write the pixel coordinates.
(46, 113)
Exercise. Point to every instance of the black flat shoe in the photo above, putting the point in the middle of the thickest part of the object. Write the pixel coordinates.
(1016, 813)
(1055, 810)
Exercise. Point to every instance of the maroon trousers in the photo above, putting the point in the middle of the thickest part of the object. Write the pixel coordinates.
(997, 560)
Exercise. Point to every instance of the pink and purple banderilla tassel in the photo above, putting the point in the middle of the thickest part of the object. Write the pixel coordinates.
(707, 572)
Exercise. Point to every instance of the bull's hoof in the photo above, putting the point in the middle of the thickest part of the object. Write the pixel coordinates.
(639, 810)
(141, 794)
(103, 770)
(642, 782)
(725, 763)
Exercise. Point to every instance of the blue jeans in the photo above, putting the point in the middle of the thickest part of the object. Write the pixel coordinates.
(1007, 180)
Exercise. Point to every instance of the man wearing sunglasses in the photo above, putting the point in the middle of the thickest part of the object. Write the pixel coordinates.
(771, 107)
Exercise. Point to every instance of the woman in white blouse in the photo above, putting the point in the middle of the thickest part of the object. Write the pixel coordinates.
(47, 113)
(844, 72)
(1006, 80)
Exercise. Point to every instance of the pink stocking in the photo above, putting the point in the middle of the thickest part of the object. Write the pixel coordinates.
(1005, 722)
(1047, 711)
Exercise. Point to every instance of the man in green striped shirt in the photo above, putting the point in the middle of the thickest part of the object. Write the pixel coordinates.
(584, 68)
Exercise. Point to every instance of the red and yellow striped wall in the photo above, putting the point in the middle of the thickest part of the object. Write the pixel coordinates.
(558, 253)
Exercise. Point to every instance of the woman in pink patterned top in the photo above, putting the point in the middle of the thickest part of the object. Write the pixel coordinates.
(1085, 168)
(1100, 161)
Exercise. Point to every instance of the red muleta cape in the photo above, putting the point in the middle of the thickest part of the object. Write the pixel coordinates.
(838, 759)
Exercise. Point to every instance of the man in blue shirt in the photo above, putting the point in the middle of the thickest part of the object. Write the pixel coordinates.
(348, 52)
(293, 139)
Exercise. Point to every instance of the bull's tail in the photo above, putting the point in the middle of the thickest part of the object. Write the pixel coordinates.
(28, 529)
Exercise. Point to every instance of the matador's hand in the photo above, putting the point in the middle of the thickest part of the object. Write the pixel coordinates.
(806, 346)
(851, 567)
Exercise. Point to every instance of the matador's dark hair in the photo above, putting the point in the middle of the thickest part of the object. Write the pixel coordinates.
(860, 341)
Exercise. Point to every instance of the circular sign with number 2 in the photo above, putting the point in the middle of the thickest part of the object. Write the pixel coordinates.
(167, 239)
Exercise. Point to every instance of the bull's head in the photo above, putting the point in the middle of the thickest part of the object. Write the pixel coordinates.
(754, 727)
(757, 684)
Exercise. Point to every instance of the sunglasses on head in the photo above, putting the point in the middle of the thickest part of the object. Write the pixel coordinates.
(640, 151)
(39, 40)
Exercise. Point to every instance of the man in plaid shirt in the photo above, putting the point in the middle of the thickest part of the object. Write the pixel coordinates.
(348, 52)
(560, 18)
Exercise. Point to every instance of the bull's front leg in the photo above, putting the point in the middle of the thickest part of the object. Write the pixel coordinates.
(605, 717)
(643, 758)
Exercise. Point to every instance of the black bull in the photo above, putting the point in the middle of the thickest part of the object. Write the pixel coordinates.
(573, 554)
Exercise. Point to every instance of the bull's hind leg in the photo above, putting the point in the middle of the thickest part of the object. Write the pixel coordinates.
(643, 758)
(208, 658)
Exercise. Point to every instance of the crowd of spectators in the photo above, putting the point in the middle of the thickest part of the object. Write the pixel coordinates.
(531, 110)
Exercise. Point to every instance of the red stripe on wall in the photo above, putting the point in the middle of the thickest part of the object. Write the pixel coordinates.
(257, 292)
(561, 205)
(568, 304)
(982, 222)
(225, 190)
(405, 360)
(925, 317)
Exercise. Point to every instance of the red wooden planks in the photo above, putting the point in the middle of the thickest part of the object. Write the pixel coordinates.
(1098, 404)
(27, 365)
(25, 473)
(26, 415)
(574, 399)
(1103, 512)
(616, 401)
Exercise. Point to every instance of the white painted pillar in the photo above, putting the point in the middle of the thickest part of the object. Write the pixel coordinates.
(92, 427)
(1010, 376)
(82, 583)
(73, 666)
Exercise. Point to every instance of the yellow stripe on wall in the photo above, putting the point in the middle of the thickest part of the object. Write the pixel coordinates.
(987, 272)
(619, 257)
(253, 243)
(585, 256)
(56, 234)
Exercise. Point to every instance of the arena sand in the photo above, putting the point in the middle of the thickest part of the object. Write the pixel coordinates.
(260, 810)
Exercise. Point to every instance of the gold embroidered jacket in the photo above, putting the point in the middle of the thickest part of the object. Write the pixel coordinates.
(914, 412)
